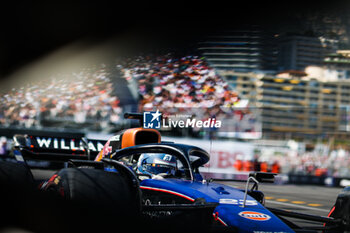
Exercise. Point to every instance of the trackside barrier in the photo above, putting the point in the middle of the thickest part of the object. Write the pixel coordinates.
(286, 179)
(279, 179)
(306, 179)
(319, 180)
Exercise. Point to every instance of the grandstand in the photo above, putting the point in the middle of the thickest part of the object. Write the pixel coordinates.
(85, 99)
(94, 98)
(166, 82)
(188, 85)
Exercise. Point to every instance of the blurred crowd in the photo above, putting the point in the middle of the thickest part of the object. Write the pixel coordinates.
(87, 98)
(256, 165)
(180, 85)
(320, 161)
(78, 97)
(171, 84)
(336, 163)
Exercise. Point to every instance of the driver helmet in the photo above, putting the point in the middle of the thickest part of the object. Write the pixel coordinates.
(156, 164)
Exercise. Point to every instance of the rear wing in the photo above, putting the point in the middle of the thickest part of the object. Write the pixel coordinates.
(60, 149)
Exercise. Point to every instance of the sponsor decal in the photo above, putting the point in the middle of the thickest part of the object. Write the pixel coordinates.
(237, 202)
(107, 149)
(152, 120)
(115, 138)
(252, 215)
(64, 143)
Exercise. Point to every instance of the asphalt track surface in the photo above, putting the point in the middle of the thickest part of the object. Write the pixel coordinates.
(308, 199)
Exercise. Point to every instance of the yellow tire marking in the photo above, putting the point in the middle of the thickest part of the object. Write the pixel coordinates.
(298, 202)
(314, 204)
(282, 200)
(269, 198)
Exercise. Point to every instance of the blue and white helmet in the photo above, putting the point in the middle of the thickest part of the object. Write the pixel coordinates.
(156, 164)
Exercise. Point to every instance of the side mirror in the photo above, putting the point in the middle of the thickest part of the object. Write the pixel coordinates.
(264, 177)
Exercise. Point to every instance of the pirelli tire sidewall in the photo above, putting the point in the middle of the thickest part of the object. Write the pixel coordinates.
(106, 193)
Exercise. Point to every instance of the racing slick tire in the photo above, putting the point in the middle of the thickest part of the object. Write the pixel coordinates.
(15, 174)
(17, 186)
(341, 210)
(105, 199)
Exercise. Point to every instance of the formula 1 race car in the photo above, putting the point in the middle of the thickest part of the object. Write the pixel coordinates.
(158, 185)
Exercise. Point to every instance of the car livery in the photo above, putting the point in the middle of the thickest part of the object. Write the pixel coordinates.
(233, 209)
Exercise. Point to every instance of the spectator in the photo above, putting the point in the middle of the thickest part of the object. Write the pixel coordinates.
(264, 167)
(275, 168)
(238, 165)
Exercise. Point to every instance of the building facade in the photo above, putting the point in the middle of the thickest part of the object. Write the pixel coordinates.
(337, 65)
(244, 50)
(294, 106)
(296, 52)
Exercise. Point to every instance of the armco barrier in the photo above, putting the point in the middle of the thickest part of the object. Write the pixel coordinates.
(318, 180)
(287, 179)
(306, 179)
(279, 179)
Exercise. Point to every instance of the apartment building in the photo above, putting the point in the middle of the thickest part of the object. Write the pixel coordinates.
(243, 50)
(296, 52)
(295, 105)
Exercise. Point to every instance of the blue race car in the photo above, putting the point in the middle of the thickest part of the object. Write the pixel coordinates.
(160, 184)
(171, 177)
